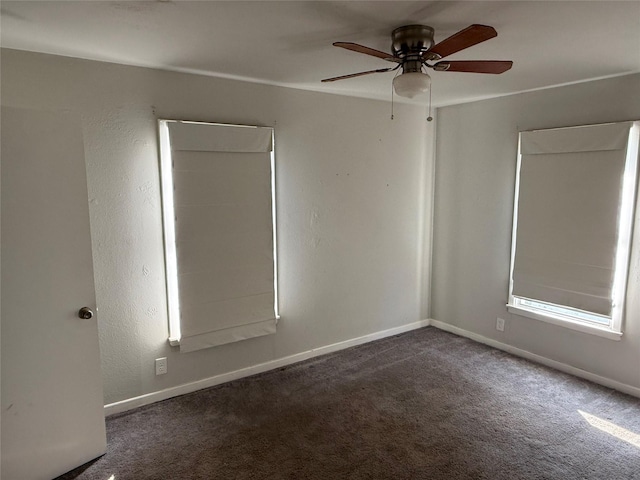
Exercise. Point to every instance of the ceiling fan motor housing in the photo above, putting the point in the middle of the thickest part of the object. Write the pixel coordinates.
(411, 40)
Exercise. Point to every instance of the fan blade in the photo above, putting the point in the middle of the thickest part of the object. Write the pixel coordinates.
(380, 70)
(366, 50)
(466, 38)
(474, 66)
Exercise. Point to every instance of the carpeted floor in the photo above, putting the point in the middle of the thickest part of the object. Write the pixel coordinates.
(422, 405)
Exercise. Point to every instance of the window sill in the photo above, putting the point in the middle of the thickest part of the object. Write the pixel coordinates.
(563, 322)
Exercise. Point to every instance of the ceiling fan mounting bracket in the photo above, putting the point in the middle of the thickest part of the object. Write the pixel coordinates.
(411, 40)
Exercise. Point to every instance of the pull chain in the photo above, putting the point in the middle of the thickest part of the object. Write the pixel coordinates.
(398, 71)
(429, 118)
(392, 100)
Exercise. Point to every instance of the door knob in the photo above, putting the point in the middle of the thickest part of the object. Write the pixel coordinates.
(85, 313)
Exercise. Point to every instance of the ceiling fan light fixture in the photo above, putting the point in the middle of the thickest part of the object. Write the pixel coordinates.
(410, 84)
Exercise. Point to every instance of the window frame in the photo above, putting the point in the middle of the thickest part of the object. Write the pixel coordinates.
(568, 317)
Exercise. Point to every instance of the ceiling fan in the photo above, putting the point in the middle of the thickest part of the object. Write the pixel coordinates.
(413, 48)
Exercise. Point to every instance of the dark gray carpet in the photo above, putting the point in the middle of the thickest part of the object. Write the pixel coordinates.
(422, 405)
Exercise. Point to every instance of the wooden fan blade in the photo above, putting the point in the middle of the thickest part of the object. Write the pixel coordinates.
(366, 50)
(475, 66)
(380, 70)
(466, 38)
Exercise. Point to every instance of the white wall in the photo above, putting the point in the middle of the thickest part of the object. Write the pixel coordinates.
(352, 199)
(474, 187)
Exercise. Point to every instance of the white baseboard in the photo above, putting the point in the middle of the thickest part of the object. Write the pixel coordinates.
(153, 397)
(563, 367)
(165, 394)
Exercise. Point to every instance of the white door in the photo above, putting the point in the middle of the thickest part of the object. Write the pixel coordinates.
(52, 403)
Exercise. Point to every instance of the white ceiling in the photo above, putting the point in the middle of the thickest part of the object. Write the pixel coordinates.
(289, 42)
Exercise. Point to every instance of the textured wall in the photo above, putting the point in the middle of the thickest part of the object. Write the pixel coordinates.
(475, 178)
(352, 197)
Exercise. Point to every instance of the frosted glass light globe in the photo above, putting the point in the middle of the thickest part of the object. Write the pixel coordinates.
(411, 84)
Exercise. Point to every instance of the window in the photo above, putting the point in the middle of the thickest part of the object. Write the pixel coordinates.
(219, 227)
(573, 215)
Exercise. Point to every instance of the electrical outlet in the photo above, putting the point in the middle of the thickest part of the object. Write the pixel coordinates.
(161, 366)
(500, 324)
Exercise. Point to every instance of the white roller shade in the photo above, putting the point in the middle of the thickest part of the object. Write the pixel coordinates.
(568, 213)
(222, 203)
